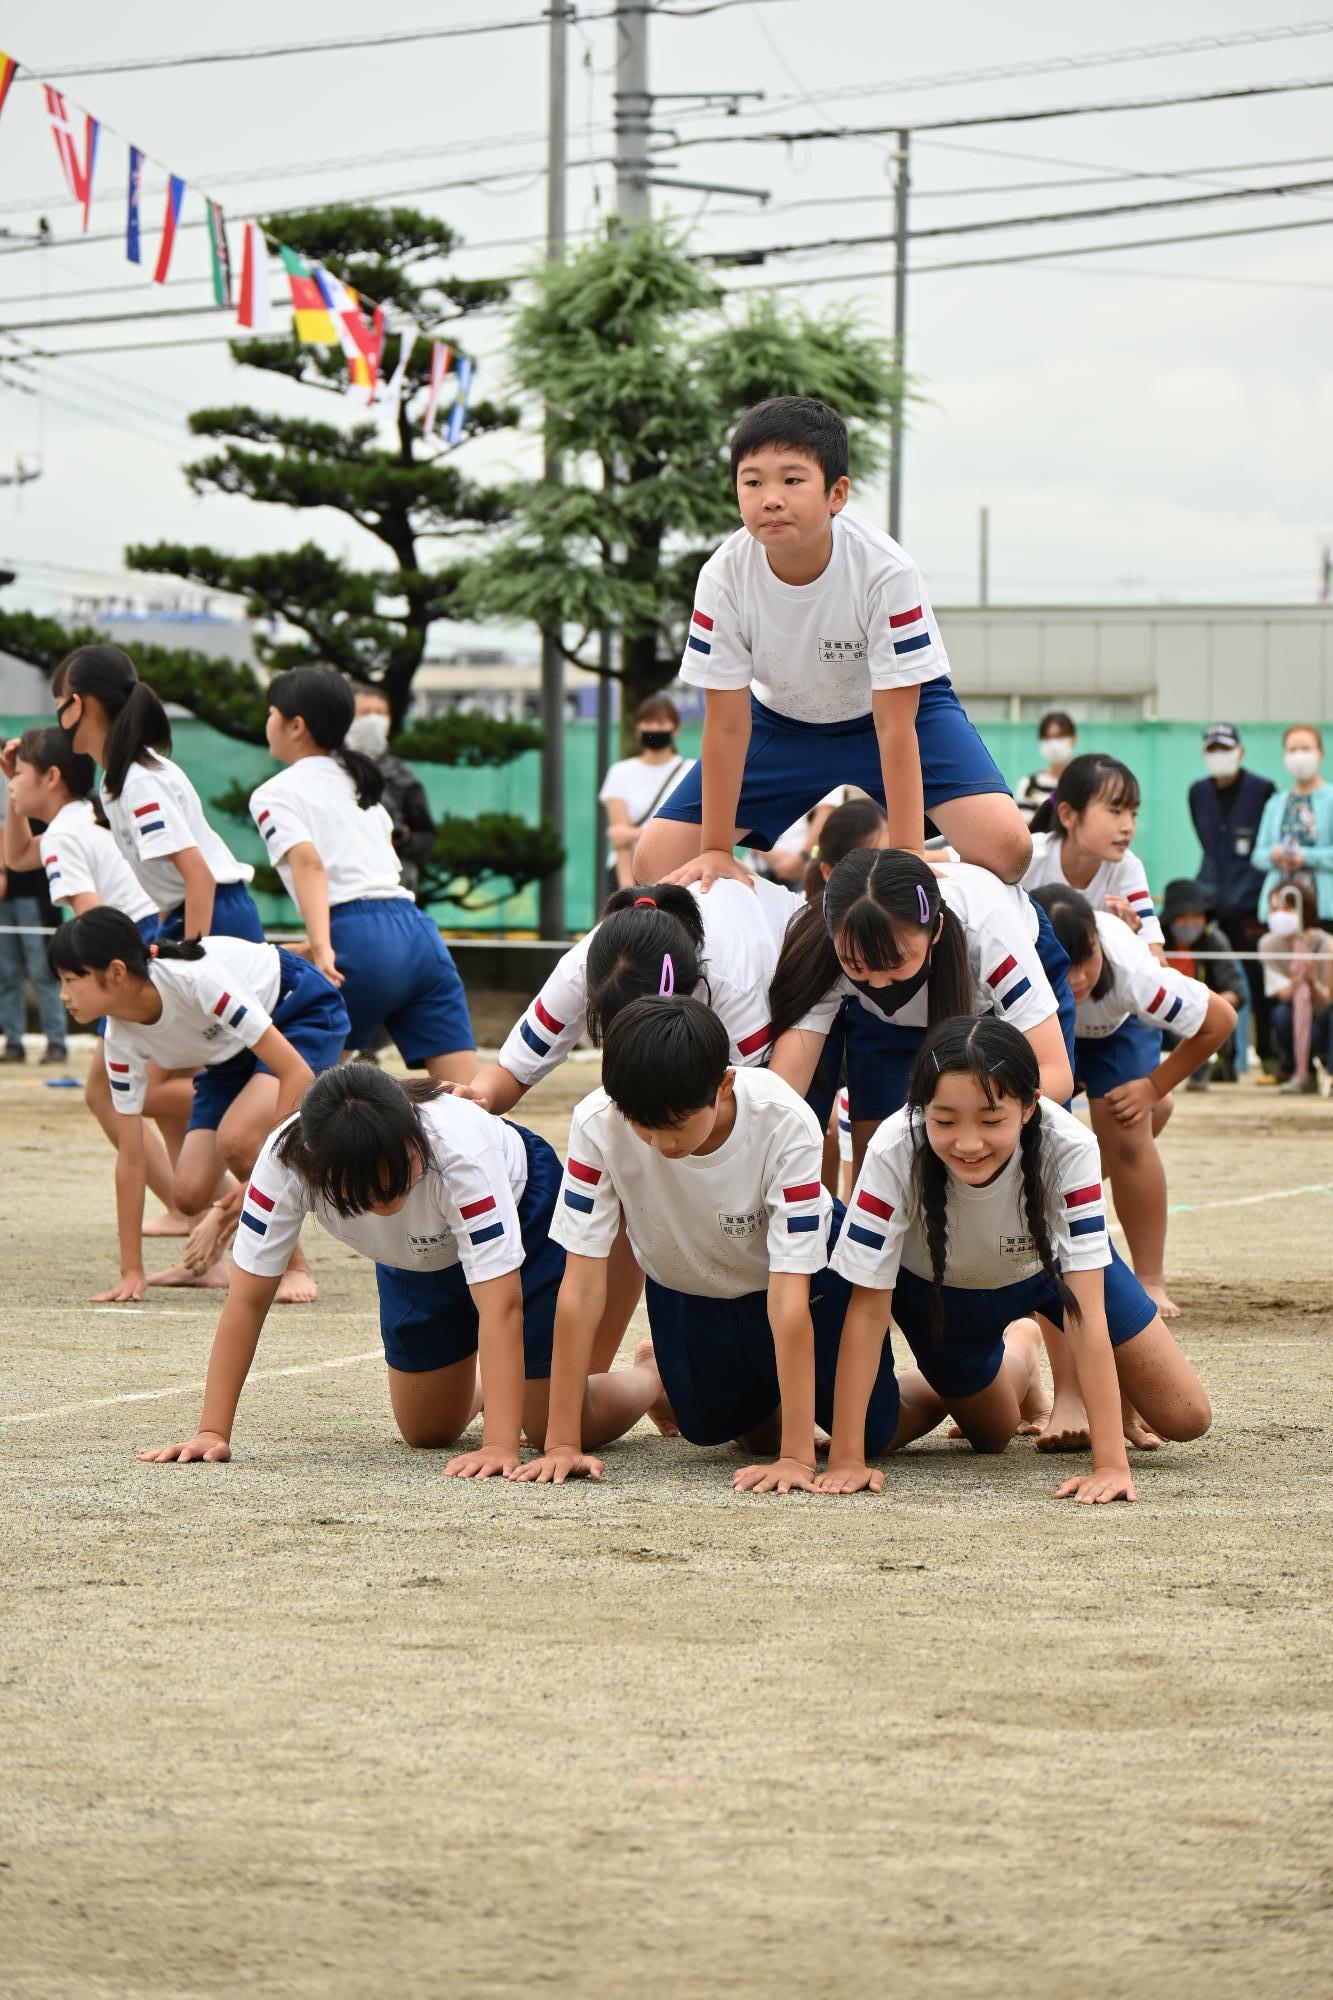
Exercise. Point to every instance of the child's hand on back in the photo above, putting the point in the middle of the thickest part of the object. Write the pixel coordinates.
(1117, 907)
(715, 864)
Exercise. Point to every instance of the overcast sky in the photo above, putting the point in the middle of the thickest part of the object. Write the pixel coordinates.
(1148, 425)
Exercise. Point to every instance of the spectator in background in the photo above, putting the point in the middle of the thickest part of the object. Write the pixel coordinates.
(25, 905)
(1059, 740)
(1298, 971)
(1188, 932)
(633, 789)
(1227, 807)
(404, 797)
(1295, 840)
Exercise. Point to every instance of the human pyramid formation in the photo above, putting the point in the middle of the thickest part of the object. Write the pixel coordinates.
(968, 975)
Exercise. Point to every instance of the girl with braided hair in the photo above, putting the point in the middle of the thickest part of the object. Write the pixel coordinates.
(978, 1219)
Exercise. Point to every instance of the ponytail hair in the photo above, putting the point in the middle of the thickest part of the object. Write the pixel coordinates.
(49, 749)
(140, 731)
(359, 1137)
(1088, 780)
(873, 899)
(101, 935)
(855, 823)
(640, 929)
(325, 703)
(1001, 1062)
(1074, 922)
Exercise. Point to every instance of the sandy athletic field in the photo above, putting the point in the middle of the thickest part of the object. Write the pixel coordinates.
(317, 1724)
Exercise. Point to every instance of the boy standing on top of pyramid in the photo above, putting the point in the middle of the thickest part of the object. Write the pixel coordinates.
(822, 664)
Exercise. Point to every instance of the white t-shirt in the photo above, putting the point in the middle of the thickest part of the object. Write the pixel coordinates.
(1124, 878)
(212, 1008)
(743, 933)
(157, 814)
(464, 1209)
(794, 840)
(641, 786)
(714, 1226)
(315, 800)
(81, 858)
(1000, 926)
(1141, 985)
(989, 1244)
(814, 651)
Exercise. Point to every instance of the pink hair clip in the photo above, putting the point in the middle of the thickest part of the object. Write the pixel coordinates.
(668, 985)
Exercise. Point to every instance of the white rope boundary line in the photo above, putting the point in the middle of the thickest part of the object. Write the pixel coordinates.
(377, 1354)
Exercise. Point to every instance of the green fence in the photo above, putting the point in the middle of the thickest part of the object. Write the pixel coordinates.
(1165, 755)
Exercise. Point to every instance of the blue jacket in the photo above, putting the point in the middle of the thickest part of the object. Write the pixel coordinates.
(1318, 859)
(1230, 842)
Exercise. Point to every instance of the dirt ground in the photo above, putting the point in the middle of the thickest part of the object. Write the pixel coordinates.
(317, 1724)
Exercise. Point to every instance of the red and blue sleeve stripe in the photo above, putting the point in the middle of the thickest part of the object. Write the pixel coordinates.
(271, 828)
(705, 624)
(868, 1204)
(590, 1176)
(147, 825)
(899, 621)
(261, 1200)
(807, 1191)
(1085, 1198)
(545, 1019)
(234, 1017)
(1002, 975)
(119, 1075)
(472, 1211)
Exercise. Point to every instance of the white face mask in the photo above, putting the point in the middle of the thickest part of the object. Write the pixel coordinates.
(1222, 763)
(369, 734)
(1302, 764)
(1284, 923)
(1187, 932)
(1058, 750)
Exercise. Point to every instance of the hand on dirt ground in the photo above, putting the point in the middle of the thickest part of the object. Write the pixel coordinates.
(204, 1448)
(132, 1286)
(554, 1467)
(1096, 1487)
(784, 1475)
(715, 864)
(322, 957)
(1116, 906)
(1132, 1101)
(492, 1461)
(850, 1478)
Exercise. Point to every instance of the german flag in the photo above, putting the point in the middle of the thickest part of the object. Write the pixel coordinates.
(8, 65)
(314, 326)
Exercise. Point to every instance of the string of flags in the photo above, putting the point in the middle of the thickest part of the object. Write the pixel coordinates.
(326, 312)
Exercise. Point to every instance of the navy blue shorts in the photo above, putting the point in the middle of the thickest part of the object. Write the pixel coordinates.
(311, 1015)
(966, 1359)
(1101, 1062)
(880, 1054)
(148, 929)
(427, 1318)
(790, 765)
(398, 975)
(234, 915)
(720, 1371)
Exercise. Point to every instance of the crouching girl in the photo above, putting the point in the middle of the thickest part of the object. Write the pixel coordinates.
(454, 1206)
(977, 1220)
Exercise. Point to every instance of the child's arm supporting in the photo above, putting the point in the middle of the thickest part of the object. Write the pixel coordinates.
(894, 713)
(795, 1057)
(1099, 1387)
(793, 1470)
(540, 1039)
(726, 739)
(291, 1069)
(1134, 1100)
(499, 1303)
(248, 1300)
(310, 888)
(131, 1184)
(859, 1357)
(578, 1312)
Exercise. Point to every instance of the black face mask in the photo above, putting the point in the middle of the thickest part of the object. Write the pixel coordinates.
(657, 739)
(889, 999)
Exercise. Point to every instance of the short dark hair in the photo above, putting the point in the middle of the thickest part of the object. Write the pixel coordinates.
(794, 423)
(1089, 780)
(1055, 718)
(1074, 922)
(657, 708)
(664, 1059)
(358, 1137)
(50, 749)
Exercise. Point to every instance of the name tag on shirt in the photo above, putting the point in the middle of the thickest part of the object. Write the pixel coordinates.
(740, 1225)
(1018, 1249)
(422, 1246)
(838, 652)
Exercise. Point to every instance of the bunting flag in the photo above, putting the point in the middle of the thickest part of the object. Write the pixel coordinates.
(255, 306)
(78, 173)
(171, 215)
(132, 250)
(314, 327)
(439, 368)
(354, 336)
(8, 65)
(217, 245)
(393, 388)
(459, 412)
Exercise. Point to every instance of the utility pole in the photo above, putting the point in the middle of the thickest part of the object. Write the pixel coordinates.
(552, 892)
(983, 571)
(901, 188)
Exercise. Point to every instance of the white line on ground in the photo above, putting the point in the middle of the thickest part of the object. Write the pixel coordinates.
(189, 1388)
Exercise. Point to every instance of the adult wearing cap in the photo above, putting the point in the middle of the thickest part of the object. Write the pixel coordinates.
(1226, 807)
(1184, 915)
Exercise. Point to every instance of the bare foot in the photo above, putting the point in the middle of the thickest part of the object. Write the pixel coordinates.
(660, 1412)
(215, 1278)
(1066, 1427)
(298, 1287)
(1034, 1405)
(172, 1223)
(1136, 1431)
(1157, 1292)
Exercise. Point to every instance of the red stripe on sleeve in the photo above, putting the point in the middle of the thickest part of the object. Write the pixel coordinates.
(257, 1195)
(702, 618)
(1157, 1000)
(470, 1208)
(223, 1005)
(121, 1069)
(806, 1192)
(546, 1017)
(876, 1206)
(1002, 971)
(758, 1040)
(590, 1175)
(905, 617)
(139, 811)
(266, 814)
(1081, 1195)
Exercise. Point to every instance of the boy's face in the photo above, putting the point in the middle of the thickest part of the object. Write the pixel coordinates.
(782, 499)
(692, 1134)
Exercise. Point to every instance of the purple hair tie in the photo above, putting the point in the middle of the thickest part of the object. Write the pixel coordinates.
(923, 907)
(668, 985)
